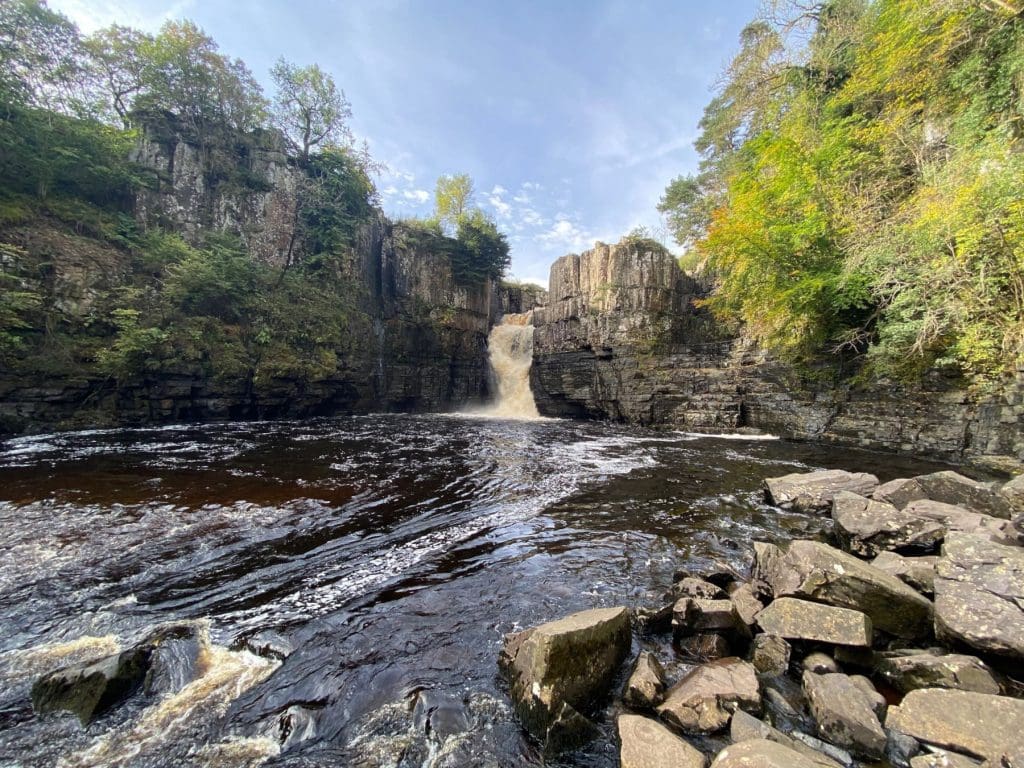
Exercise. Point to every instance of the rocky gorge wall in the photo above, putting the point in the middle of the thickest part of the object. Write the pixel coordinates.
(416, 336)
(622, 338)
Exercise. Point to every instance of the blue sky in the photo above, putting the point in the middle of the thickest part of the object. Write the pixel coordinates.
(571, 116)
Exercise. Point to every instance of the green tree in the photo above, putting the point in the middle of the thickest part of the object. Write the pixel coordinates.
(118, 68)
(453, 198)
(309, 108)
(485, 251)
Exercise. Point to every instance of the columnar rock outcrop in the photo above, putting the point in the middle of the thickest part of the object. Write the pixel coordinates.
(623, 337)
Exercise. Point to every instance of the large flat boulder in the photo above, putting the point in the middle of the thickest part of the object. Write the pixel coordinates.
(845, 713)
(959, 519)
(814, 491)
(646, 743)
(559, 670)
(979, 594)
(866, 527)
(704, 700)
(91, 688)
(803, 620)
(976, 724)
(953, 488)
(900, 492)
(1013, 492)
(909, 670)
(762, 753)
(942, 759)
(818, 572)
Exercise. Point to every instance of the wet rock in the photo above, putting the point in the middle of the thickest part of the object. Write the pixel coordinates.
(770, 655)
(558, 669)
(295, 725)
(440, 715)
(802, 620)
(88, 690)
(746, 603)
(646, 686)
(653, 621)
(818, 572)
(841, 756)
(745, 727)
(270, 644)
(690, 586)
(692, 616)
(926, 670)
(706, 646)
(820, 663)
(866, 527)
(979, 594)
(976, 724)
(844, 714)
(916, 572)
(174, 662)
(943, 760)
(900, 749)
(953, 488)
(704, 700)
(814, 491)
(647, 743)
(786, 705)
(762, 753)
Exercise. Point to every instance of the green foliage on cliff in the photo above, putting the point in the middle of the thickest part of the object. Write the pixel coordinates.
(861, 185)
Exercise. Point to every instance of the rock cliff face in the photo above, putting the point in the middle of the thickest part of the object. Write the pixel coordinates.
(621, 338)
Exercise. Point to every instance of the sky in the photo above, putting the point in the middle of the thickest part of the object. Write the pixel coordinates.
(570, 116)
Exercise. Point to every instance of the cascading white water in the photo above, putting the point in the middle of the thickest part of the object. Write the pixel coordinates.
(510, 348)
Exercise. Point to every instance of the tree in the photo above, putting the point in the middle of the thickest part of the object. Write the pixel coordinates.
(453, 197)
(309, 108)
(486, 248)
(40, 56)
(118, 67)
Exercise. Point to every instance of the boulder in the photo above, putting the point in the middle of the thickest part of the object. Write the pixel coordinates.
(745, 727)
(653, 621)
(953, 488)
(818, 572)
(899, 493)
(762, 753)
(770, 655)
(704, 700)
(900, 748)
(559, 670)
(1013, 492)
(909, 671)
(956, 518)
(844, 713)
(943, 760)
(814, 491)
(866, 527)
(916, 572)
(979, 594)
(802, 620)
(977, 724)
(647, 743)
(1011, 757)
(646, 686)
(90, 689)
(692, 616)
(871, 694)
(690, 586)
(820, 663)
(746, 603)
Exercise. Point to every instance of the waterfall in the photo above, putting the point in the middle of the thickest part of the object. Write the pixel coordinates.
(510, 349)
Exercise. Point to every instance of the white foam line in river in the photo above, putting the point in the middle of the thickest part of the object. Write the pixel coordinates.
(728, 436)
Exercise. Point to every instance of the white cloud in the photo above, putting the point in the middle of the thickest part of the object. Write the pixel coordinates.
(91, 15)
(498, 190)
(503, 209)
(523, 199)
(418, 195)
(564, 234)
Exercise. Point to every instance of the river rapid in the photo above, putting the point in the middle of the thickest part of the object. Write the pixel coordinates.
(385, 556)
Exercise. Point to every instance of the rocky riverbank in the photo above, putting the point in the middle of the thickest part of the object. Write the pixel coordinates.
(899, 643)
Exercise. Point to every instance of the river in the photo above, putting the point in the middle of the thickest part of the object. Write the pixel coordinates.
(391, 552)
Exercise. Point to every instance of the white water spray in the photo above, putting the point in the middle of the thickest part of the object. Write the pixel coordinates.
(510, 348)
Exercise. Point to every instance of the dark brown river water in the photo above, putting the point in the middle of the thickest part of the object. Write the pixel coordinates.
(390, 552)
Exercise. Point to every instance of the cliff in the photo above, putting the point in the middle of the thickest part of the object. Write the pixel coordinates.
(623, 339)
(406, 333)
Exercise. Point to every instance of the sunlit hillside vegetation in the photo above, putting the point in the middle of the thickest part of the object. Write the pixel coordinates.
(861, 188)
